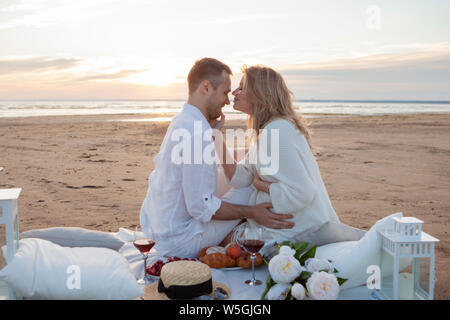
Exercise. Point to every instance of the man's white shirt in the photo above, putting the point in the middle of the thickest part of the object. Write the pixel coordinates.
(181, 196)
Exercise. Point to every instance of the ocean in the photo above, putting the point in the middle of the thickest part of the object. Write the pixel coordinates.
(312, 108)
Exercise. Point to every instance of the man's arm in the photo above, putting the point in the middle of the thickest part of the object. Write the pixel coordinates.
(260, 213)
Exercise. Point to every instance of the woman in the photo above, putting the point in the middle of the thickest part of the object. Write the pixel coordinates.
(295, 186)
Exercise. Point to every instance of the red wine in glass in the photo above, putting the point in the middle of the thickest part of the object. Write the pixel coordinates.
(144, 245)
(252, 246)
(252, 240)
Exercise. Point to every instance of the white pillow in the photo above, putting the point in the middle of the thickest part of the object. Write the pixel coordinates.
(44, 270)
(75, 237)
(330, 232)
(351, 258)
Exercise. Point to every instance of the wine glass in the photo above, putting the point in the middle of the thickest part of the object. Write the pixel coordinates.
(252, 240)
(144, 245)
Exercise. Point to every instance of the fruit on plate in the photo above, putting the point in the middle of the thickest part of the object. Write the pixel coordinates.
(234, 256)
(202, 252)
(155, 268)
(218, 260)
(233, 250)
(245, 261)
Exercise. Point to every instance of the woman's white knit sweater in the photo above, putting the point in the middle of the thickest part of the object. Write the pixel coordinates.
(296, 187)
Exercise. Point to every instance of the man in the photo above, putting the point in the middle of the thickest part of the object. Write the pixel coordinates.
(181, 211)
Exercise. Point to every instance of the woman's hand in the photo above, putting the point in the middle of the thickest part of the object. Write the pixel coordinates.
(219, 122)
(261, 185)
(223, 154)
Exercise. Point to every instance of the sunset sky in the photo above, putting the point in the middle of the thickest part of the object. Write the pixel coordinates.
(110, 49)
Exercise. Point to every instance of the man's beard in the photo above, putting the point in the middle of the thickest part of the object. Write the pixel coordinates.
(212, 112)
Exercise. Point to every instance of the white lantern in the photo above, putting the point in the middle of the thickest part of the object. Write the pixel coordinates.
(9, 228)
(407, 261)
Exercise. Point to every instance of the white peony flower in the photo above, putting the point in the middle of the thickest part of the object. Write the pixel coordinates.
(278, 291)
(315, 265)
(298, 291)
(287, 251)
(323, 286)
(284, 268)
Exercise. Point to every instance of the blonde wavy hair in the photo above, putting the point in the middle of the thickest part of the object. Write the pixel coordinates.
(270, 99)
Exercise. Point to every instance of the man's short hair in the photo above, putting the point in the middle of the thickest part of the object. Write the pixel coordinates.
(206, 69)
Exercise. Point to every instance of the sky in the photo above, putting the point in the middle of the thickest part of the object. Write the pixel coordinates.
(144, 49)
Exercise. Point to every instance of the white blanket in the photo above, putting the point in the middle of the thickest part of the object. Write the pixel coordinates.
(233, 279)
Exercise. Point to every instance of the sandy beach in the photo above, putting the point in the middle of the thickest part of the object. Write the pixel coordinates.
(91, 172)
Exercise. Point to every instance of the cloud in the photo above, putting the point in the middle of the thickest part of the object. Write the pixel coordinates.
(58, 69)
(422, 75)
(437, 60)
(244, 18)
(110, 76)
(415, 75)
(45, 13)
(90, 90)
(33, 64)
(20, 6)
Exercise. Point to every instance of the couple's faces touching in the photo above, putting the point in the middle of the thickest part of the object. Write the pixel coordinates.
(218, 98)
(240, 99)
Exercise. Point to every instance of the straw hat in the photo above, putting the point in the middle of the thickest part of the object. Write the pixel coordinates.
(184, 280)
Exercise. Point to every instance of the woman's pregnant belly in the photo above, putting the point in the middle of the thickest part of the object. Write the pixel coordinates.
(304, 219)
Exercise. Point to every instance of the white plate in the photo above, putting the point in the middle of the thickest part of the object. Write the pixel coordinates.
(231, 269)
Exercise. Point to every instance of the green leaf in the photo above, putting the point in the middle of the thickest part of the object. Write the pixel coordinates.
(336, 270)
(269, 284)
(299, 245)
(299, 248)
(341, 281)
(266, 262)
(303, 276)
(284, 243)
(309, 254)
(289, 295)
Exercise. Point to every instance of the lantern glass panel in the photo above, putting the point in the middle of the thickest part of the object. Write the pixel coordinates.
(16, 232)
(2, 245)
(386, 264)
(421, 271)
(387, 269)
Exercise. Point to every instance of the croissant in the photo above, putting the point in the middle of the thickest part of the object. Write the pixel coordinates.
(218, 260)
(244, 261)
(202, 252)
